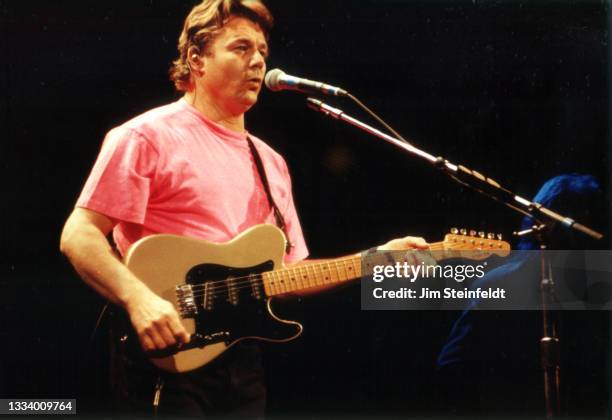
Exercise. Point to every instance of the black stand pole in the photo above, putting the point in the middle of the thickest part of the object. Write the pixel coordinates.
(549, 344)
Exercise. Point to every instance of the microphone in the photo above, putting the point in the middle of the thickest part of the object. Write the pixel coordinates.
(277, 80)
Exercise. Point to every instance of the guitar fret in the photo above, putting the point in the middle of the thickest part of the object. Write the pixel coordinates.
(337, 268)
(327, 275)
(286, 281)
(304, 276)
(312, 278)
(291, 279)
(297, 281)
(273, 288)
(324, 273)
(267, 284)
(318, 277)
(300, 276)
(330, 272)
(354, 269)
(286, 284)
(279, 282)
(345, 272)
(278, 279)
(351, 268)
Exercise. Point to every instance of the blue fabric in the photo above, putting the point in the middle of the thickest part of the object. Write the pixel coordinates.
(570, 194)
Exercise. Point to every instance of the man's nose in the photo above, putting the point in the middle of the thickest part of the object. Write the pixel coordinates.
(258, 60)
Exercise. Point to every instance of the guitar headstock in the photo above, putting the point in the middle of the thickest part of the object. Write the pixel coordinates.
(480, 245)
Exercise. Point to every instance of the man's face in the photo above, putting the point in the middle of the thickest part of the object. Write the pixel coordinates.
(234, 66)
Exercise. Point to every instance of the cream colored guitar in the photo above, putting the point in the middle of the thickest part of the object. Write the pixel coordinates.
(223, 291)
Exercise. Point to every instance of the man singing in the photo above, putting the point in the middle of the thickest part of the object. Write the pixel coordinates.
(188, 168)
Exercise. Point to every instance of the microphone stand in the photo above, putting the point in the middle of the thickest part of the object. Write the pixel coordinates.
(549, 344)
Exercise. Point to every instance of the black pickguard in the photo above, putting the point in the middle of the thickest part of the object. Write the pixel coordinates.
(232, 304)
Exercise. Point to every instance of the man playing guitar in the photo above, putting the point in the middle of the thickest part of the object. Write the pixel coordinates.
(188, 168)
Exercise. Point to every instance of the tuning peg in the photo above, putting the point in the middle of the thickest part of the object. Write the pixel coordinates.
(463, 231)
(472, 233)
(481, 234)
(454, 231)
(499, 236)
(490, 235)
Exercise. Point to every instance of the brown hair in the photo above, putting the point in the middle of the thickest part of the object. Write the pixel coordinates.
(201, 25)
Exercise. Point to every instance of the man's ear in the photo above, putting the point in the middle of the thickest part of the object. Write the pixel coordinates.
(196, 64)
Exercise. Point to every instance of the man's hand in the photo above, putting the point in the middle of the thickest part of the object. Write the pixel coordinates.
(401, 244)
(156, 322)
(410, 243)
(84, 243)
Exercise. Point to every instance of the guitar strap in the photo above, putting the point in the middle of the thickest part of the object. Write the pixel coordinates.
(278, 216)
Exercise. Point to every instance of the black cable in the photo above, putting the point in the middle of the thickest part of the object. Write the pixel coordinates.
(98, 322)
(377, 118)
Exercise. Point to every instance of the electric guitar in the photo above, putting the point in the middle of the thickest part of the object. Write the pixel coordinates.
(223, 292)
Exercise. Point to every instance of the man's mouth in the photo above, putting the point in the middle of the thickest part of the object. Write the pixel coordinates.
(254, 83)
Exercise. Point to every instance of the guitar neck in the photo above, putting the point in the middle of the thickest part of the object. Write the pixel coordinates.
(330, 272)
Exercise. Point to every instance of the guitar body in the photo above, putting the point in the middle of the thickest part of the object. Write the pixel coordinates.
(216, 288)
(223, 291)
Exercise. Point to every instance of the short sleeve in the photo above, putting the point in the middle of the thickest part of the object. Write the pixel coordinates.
(120, 182)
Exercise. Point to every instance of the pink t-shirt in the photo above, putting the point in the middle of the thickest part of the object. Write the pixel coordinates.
(171, 170)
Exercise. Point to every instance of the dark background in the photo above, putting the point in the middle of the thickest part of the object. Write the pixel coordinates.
(518, 90)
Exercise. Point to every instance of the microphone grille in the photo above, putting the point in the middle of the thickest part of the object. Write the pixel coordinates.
(271, 79)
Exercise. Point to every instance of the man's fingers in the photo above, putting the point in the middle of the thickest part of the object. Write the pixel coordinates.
(416, 242)
(146, 343)
(408, 242)
(178, 330)
(166, 335)
(157, 323)
(156, 338)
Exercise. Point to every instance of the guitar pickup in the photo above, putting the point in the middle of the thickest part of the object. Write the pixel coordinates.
(186, 301)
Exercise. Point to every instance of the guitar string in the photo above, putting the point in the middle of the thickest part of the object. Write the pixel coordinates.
(277, 272)
(222, 284)
(433, 247)
(257, 279)
(222, 290)
(220, 293)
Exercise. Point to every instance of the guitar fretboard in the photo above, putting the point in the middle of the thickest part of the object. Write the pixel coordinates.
(306, 276)
(293, 279)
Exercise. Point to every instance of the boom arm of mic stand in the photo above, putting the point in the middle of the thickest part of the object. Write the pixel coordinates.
(462, 174)
(340, 115)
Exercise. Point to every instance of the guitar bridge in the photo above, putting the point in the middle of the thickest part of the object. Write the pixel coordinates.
(186, 301)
